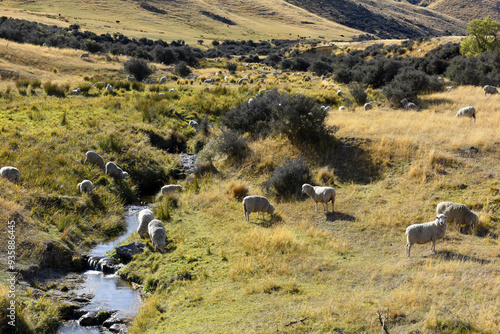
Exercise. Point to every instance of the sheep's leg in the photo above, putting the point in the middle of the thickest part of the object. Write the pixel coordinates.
(257, 214)
(263, 218)
(433, 248)
(333, 203)
(408, 249)
(316, 206)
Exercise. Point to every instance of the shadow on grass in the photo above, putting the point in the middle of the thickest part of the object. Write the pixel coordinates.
(275, 220)
(333, 216)
(452, 256)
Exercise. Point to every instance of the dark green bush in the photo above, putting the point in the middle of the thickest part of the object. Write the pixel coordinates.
(287, 180)
(358, 93)
(320, 67)
(234, 147)
(182, 69)
(408, 84)
(231, 66)
(138, 68)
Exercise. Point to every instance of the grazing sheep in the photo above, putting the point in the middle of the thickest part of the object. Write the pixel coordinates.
(209, 80)
(326, 108)
(426, 232)
(194, 124)
(94, 158)
(339, 93)
(171, 90)
(490, 90)
(157, 234)
(144, 217)
(256, 204)
(76, 91)
(320, 194)
(251, 100)
(85, 187)
(10, 173)
(240, 81)
(171, 188)
(409, 105)
(85, 55)
(131, 78)
(368, 106)
(113, 170)
(163, 79)
(109, 88)
(467, 111)
(458, 213)
(342, 108)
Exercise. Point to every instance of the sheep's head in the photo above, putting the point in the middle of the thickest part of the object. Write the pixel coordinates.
(270, 209)
(306, 188)
(125, 175)
(441, 219)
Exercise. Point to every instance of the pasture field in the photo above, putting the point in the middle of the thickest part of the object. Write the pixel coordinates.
(301, 271)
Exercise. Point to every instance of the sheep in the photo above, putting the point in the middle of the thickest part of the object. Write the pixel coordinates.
(130, 78)
(368, 106)
(171, 90)
(409, 105)
(10, 173)
(144, 217)
(209, 80)
(85, 55)
(240, 81)
(467, 111)
(163, 79)
(320, 194)
(251, 100)
(76, 91)
(171, 188)
(113, 170)
(342, 108)
(194, 124)
(339, 93)
(458, 213)
(85, 187)
(109, 88)
(326, 108)
(256, 204)
(426, 232)
(490, 90)
(94, 158)
(157, 234)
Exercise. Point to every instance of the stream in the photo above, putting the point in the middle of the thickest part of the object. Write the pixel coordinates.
(111, 293)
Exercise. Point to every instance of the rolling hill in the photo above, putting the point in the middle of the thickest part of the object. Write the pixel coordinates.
(194, 20)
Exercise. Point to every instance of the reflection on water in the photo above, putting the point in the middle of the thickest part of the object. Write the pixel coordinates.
(111, 293)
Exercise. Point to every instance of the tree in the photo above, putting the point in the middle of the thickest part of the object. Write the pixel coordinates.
(483, 36)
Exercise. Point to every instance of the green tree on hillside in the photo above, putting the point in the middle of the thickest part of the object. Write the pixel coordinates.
(483, 36)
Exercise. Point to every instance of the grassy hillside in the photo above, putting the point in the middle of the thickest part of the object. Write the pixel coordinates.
(189, 20)
(192, 20)
(300, 271)
(466, 10)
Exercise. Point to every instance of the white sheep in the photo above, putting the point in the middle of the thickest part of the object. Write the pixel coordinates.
(467, 111)
(10, 173)
(240, 81)
(488, 89)
(342, 108)
(426, 232)
(171, 188)
(109, 88)
(368, 106)
(193, 124)
(131, 78)
(458, 213)
(85, 55)
(251, 100)
(320, 194)
(113, 170)
(256, 204)
(326, 108)
(144, 217)
(85, 187)
(210, 80)
(94, 158)
(76, 91)
(157, 234)
(339, 93)
(163, 79)
(409, 105)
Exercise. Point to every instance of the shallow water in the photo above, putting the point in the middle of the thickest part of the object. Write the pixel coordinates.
(110, 291)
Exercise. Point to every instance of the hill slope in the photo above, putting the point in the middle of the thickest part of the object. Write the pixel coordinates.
(192, 20)
(468, 10)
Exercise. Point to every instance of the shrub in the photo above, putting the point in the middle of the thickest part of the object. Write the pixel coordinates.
(237, 189)
(231, 66)
(408, 84)
(286, 181)
(320, 67)
(182, 69)
(138, 68)
(53, 89)
(325, 176)
(358, 93)
(232, 146)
